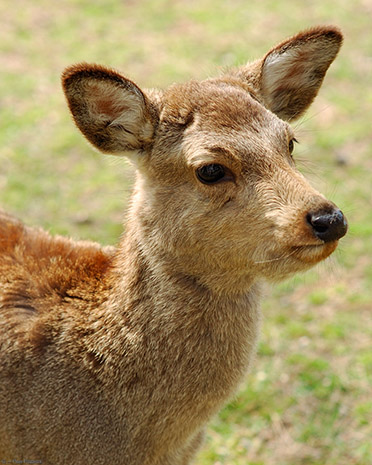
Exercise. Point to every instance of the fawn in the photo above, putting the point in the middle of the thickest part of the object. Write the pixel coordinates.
(121, 355)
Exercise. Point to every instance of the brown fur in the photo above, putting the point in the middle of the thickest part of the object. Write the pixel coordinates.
(122, 355)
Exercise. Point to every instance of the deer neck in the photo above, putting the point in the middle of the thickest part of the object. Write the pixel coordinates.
(154, 293)
(174, 341)
(147, 268)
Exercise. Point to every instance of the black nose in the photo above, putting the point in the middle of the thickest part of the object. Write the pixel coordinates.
(328, 225)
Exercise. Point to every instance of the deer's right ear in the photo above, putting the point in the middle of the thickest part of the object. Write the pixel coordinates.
(111, 111)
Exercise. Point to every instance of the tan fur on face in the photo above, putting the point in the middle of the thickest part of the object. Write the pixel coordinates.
(121, 355)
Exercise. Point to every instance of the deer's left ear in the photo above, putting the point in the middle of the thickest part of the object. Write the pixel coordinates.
(289, 76)
(292, 73)
(110, 110)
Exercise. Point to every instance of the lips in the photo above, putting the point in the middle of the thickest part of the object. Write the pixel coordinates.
(314, 253)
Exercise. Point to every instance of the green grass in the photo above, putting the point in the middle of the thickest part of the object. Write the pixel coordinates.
(307, 400)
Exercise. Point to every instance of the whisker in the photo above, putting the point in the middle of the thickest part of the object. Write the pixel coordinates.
(283, 257)
(309, 117)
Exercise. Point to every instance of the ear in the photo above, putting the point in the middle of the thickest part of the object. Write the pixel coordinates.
(292, 72)
(111, 111)
(290, 75)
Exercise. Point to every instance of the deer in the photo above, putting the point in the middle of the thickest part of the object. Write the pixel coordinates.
(123, 354)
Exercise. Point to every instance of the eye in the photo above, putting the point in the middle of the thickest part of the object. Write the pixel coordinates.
(210, 174)
(291, 145)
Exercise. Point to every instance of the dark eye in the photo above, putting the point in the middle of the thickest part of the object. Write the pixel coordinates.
(291, 145)
(209, 174)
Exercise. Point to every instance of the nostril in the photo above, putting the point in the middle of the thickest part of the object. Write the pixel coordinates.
(327, 226)
(319, 223)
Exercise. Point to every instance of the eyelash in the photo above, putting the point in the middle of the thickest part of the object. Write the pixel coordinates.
(291, 144)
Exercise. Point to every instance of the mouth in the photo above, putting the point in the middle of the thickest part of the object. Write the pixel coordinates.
(314, 253)
(303, 256)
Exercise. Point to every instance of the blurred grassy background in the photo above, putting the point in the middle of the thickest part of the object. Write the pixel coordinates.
(308, 399)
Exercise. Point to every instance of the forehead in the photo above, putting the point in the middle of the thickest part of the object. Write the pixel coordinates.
(220, 103)
(226, 115)
(224, 106)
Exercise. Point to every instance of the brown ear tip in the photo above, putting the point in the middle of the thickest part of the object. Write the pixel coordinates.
(85, 70)
(335, 33)
(72, 72)
(330, 32)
